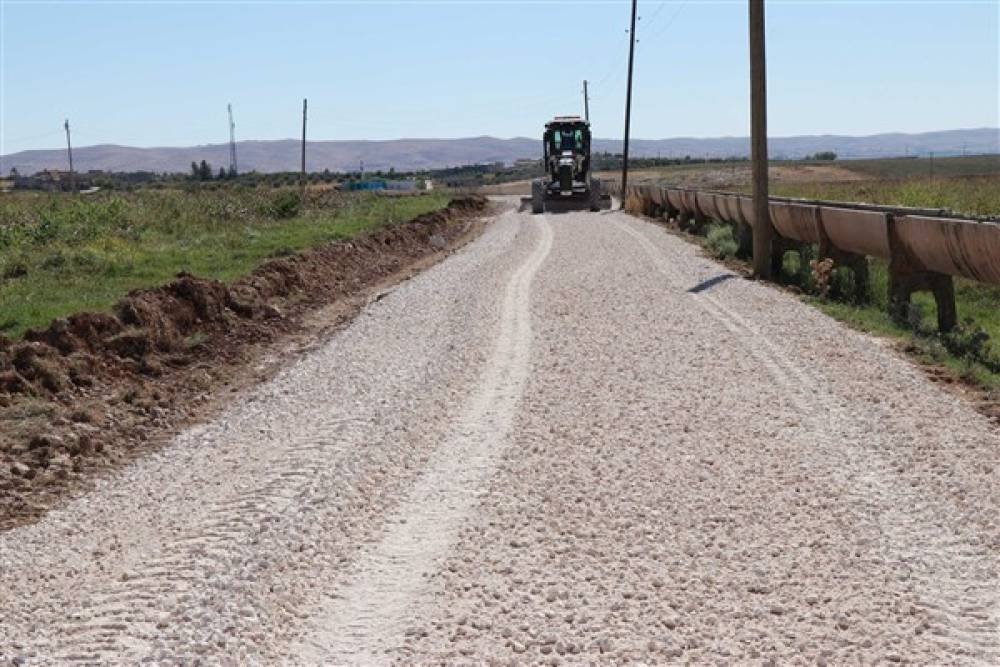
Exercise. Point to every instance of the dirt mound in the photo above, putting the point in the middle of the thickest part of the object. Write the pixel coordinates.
(155, 350)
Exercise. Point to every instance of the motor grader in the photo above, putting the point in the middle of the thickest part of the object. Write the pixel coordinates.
(569, 184)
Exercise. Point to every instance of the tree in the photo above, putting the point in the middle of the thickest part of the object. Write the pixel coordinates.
(825, 155)
(195, 173)
(205, 171)
(222, 174)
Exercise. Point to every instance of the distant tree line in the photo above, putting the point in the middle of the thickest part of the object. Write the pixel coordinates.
(203, 172)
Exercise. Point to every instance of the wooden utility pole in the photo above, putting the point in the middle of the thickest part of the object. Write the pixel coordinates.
(232, 142)
(303, 139)
(763, 232)
(586, 102)
(69, 152)
(628, 105)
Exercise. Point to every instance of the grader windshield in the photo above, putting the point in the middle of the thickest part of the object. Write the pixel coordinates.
(573, 138)
(567, 139)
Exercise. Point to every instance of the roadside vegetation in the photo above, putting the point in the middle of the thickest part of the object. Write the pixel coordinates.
(972, 351)
(62, 253)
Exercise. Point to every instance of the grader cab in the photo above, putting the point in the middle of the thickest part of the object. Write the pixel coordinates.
(569, 184)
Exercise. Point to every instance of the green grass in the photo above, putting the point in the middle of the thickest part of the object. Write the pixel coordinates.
(971, 352)
(926, 345)
(61, 254)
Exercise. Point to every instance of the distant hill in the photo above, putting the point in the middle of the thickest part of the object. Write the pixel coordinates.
(415, 154)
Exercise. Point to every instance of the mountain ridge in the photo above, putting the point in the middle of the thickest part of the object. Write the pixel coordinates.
(412, 154)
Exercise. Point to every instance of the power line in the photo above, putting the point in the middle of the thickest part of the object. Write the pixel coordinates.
(671, 19)
(615, 61)
(656, 13)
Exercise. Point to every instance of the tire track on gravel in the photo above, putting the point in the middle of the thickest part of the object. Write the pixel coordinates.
(210, 567)
(126, 617)
(954, 577)
(371, 612)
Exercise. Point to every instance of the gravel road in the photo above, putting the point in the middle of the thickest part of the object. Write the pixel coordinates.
(575, 440)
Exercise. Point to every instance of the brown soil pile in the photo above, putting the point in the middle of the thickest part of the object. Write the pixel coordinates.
(83, 394)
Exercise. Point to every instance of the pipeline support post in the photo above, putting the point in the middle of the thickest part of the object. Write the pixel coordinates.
(906, 276)
(857, 264)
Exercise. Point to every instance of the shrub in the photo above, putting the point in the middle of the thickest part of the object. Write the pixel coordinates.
(286, 204)
(973, 344)
(634, 205)
(721, 242)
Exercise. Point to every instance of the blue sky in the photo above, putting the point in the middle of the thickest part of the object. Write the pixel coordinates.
(161, 73)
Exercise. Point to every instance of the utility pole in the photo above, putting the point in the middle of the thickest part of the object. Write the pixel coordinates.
(303, 139)
(586, 102)
(628, 105)
(69, 151)
(232, 141)
(763, 233)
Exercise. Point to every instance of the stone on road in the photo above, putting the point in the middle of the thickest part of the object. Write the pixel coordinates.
(576, 440)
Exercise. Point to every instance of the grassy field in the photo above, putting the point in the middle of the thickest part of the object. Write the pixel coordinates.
(973, 195)
(61, 254)
(857, 180)
(925, 167)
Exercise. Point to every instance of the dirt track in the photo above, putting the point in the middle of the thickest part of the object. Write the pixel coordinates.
(576, 440)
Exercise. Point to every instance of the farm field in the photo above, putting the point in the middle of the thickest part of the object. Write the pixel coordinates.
(61, 254)
(965, 182)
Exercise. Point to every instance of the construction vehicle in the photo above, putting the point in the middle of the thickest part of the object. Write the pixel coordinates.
(569, 184)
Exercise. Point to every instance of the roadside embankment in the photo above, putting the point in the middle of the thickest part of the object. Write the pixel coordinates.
(92, 390)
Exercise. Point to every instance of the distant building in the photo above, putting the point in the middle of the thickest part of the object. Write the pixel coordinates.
(366, 185)
(401, 186)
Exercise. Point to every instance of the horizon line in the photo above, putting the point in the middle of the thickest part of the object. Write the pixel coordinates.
(513, 138)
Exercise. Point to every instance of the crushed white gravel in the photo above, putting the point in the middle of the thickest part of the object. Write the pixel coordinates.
(576, 440)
